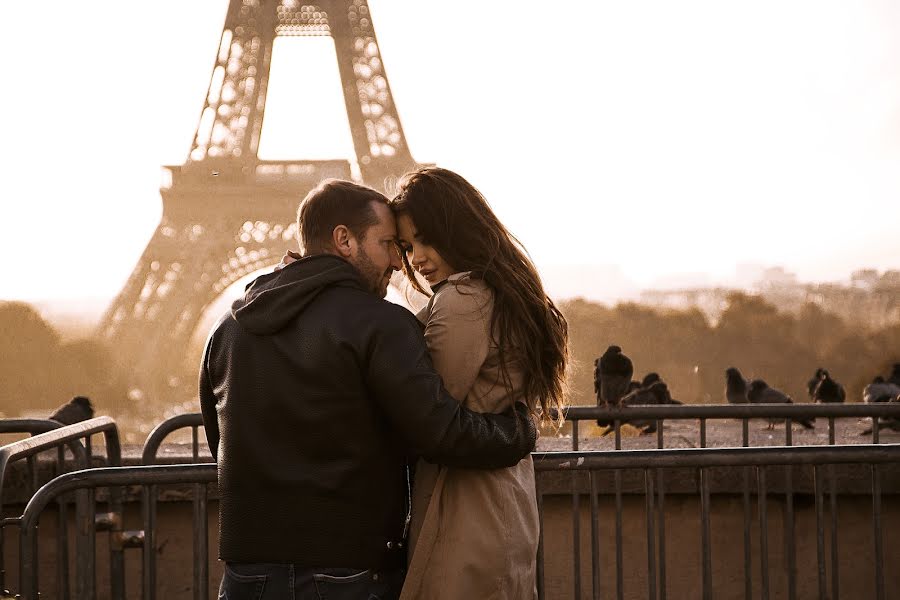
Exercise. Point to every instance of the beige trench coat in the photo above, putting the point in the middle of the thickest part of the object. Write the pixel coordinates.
(474, 533)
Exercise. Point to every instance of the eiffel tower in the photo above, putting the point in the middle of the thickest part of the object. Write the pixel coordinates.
(226, 212)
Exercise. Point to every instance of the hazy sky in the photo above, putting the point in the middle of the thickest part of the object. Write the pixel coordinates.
(659, 137)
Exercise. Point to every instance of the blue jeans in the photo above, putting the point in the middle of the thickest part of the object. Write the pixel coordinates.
(265, 581)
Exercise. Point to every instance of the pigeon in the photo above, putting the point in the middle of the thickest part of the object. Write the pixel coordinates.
(649, 379)
(814, 381)
(735, 386)
(655, 394)
(615, 375)
(760, 393)
(880, 391)
(74, 411)
(828, 390)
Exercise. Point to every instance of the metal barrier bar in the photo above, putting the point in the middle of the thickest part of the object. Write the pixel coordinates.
(200, 532)
(595, 537)
(732, 411)
(762, 459)
(111, 477)
(160, 432)
(576, 522)
(55, 436)
(820, 531)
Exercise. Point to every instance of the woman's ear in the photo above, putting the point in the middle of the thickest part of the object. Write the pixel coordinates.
(344, 241)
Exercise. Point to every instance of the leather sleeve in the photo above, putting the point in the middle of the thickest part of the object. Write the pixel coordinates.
(208, 404)
(402, 380)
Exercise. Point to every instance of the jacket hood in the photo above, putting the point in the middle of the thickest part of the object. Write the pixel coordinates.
(273, 300)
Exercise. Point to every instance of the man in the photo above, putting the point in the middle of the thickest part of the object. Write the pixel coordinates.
(314, 391)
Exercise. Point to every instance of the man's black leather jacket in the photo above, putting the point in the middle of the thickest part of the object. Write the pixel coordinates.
(314, 394)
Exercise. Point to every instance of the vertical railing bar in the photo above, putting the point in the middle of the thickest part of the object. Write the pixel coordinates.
(877, 537)
(820, 530)
(748, 567)
(576, 519)
(705, 543)
(62, 534)
(32, 476)
(595, 537)
(876, 434)
(763, 533)
(661, 524)
(617, 426)
(540, 550)
(788, 432)
(833, 509)
(150, 542)
(576, 536)
(703, 433)
(831, 434)
(745, 432)
(651, 535)
(620, 580)
(790, 542)
(660, 441)
(201, 535)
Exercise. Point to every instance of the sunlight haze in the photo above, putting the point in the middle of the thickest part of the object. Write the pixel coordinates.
(627, 144)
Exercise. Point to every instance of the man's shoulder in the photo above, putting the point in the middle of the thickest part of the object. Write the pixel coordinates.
(360, 304)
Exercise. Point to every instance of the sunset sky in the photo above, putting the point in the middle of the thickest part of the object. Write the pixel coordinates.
(651, 142)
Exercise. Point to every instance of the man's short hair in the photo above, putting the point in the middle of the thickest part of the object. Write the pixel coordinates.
(335, 202)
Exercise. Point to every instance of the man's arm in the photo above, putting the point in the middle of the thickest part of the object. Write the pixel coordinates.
(401, 378)
(208, 404)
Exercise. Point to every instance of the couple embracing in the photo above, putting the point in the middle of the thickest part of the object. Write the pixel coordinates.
(364, 452)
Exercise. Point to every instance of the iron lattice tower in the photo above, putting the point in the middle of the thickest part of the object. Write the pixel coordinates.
(226, 213)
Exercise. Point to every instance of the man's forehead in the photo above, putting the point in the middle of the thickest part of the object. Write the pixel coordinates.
(387, 223)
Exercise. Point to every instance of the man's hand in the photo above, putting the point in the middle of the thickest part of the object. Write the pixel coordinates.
(289, 257)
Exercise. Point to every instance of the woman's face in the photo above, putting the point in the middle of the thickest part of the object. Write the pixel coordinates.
(423, 258)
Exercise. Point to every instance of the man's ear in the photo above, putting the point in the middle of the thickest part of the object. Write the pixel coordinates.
(344, 241)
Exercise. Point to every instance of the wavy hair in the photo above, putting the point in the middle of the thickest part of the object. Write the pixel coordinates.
(453, 217)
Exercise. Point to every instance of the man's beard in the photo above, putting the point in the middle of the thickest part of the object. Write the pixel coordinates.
(371, 275)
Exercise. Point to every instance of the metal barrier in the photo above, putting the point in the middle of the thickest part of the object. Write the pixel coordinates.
(114, 478)
(59, 438)
(652, 464)
(29, 426)
(151, 446)
(702, 413)
(878, 413)
(587, 471)
(150, 492)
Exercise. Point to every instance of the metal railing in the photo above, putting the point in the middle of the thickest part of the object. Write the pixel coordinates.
(200, 530)
(77, 438)
(652, 464)
(702, 413)
(114, 478)
(812, 467)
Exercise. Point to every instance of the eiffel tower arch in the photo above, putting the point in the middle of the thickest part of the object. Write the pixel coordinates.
(226, 212)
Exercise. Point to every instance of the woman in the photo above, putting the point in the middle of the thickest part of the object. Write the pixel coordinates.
(495, 337)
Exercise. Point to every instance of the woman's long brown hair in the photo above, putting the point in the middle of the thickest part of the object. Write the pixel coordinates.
(452, 216)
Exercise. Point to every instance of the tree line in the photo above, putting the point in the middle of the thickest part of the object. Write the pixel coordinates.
(691, 353)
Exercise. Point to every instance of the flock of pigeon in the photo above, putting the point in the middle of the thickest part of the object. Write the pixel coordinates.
(615, 388)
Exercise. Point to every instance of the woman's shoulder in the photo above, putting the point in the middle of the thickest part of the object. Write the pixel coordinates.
(463, 294)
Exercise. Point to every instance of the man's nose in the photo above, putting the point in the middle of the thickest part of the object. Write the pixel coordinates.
(396, 262)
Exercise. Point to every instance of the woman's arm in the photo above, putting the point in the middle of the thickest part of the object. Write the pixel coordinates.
(457, 334)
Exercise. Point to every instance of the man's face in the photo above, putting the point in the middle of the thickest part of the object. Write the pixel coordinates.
(376, 257)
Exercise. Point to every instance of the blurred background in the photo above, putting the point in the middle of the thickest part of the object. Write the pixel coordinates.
(703, 183)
